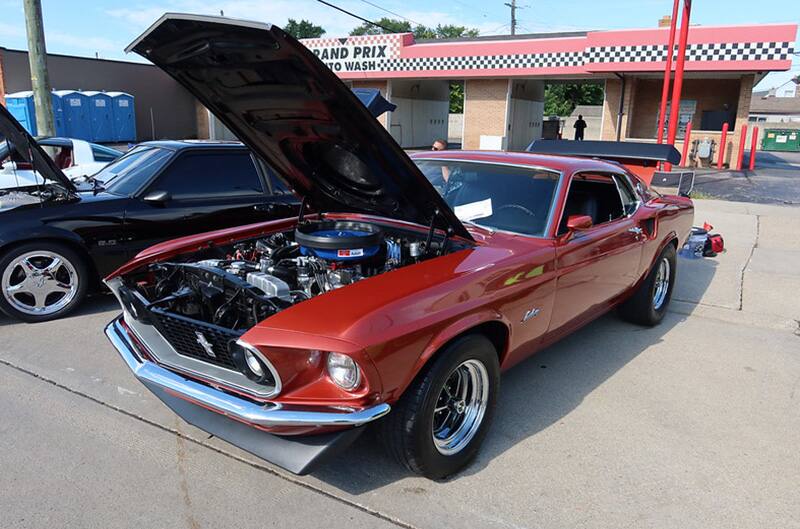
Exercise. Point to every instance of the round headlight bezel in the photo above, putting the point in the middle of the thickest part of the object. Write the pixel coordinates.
(243, 354)
(338, 363)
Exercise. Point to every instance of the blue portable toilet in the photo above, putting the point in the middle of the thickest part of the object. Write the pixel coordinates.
(76, 112)
(100, 113)
(22, 107)
(123, 116)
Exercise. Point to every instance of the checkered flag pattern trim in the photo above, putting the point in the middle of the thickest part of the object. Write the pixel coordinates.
(726, 51)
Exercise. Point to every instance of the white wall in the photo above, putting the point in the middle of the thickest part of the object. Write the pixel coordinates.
(422, 111)
(525, 113)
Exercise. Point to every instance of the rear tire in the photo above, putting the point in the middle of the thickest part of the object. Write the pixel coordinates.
(41, 281)
(437, 426)
(649, 303)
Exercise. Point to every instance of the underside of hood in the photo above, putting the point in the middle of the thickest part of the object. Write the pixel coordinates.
(25, 148)
(289, 108)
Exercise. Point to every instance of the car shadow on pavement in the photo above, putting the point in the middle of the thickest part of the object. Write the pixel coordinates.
(536, 394)
(93, 304)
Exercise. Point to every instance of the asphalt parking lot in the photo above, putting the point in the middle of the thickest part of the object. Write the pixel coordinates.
(695, 423)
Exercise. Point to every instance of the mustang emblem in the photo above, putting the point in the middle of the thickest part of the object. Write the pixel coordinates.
(530, 314)
(207, 346)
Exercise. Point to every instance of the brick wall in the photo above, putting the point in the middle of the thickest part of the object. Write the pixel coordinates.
(611, 107)
(710, 94)
(203, 130)
(484, 110)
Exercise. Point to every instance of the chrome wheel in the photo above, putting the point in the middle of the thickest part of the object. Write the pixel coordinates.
(460, 407)
(39, 283)
(661, 286)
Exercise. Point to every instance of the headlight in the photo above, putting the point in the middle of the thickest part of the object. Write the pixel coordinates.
(344, 371)
(251, 363)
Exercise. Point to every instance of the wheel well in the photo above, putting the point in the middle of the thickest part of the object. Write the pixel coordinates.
(495, 331)
(72, 245)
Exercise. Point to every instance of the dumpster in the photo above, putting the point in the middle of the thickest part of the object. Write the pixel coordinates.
(787, 140)
(76, 112)
(100, 110)
(123, 116)
(22, 107)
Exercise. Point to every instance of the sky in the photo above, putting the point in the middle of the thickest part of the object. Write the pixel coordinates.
(105, 27)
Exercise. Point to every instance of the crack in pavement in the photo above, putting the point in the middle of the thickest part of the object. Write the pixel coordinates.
(747, 263)
(285, 477)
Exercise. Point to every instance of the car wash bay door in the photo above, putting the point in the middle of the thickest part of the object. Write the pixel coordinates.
(597, 264)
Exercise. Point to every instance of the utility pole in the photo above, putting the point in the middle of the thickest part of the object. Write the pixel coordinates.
(37, 58)
(513, 6)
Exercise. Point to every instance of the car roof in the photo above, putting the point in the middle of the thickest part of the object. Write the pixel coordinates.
(563, 164)
(179, 145)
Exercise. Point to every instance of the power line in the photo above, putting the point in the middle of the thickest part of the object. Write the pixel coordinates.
(391, 12)
(346, 12)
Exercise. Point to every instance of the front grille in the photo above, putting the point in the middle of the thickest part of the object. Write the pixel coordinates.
(196, 339)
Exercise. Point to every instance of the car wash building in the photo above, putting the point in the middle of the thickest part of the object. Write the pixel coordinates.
(504, 80)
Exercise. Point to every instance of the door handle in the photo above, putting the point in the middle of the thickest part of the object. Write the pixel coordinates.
(264, 207)
(636, 230)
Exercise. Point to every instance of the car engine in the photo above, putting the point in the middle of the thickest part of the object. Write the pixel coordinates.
(238, 286)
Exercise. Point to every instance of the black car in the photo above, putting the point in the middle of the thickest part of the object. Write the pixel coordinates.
(56, 241)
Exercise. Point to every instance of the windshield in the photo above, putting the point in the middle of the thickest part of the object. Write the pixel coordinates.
(502, 197)
(126, 175)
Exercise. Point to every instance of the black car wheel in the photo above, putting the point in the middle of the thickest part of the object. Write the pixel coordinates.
(439, 423)
(41, 281)
(649, 303)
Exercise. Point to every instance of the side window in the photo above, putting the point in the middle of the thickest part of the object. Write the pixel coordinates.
(205, 175)
(629, 200)
(104, 154)
(594, 195)
(276, 185)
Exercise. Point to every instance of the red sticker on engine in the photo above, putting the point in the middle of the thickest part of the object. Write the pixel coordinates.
(350, 253)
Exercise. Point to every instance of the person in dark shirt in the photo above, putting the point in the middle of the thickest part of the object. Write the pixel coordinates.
(580, 126)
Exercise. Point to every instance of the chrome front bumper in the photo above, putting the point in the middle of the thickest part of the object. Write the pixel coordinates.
(265, 415)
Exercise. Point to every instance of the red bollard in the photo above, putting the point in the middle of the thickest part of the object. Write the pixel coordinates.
(723, 142)
(742, 139)
(687, 139)
(753, 144)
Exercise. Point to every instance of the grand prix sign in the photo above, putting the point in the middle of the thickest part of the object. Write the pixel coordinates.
(367, 53)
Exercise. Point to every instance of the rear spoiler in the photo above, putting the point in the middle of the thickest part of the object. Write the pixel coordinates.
(639, 157)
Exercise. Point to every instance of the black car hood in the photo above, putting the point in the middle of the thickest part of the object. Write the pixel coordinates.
(30, 151)
(288, 107)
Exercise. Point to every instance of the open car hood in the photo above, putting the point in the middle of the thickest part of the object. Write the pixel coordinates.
(289, 108)
(30, 151)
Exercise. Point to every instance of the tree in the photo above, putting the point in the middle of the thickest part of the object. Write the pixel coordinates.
(561, 99)
(303, 29)
(393, 25)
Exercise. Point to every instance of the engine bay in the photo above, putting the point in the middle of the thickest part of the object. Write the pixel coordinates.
(237, 286)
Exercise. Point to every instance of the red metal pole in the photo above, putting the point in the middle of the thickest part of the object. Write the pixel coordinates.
(742, 139)
(677, 86)
(753, 145)
(723, 143)
(687, 139)
(667, 71)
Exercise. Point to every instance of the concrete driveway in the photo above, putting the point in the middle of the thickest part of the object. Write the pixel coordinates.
(695, 423)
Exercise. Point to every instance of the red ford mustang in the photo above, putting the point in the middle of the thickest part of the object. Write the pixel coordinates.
(402, 290)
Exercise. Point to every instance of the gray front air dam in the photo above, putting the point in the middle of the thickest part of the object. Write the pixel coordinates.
(299, 455)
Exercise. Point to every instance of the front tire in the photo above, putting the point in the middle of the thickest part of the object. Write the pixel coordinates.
(41, 281)
(649, 303)
(438, 425)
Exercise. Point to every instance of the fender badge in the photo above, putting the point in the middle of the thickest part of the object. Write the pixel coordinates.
(530, 314)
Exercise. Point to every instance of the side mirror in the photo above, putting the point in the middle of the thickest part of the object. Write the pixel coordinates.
(579, 222)
(158, 198)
